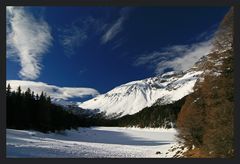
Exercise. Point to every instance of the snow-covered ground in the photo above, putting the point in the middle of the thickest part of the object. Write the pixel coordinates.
(94, 142)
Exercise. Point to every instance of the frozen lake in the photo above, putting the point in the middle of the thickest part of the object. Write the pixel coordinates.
(94, 142)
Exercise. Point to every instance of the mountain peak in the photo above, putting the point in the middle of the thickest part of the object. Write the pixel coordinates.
(132, 97)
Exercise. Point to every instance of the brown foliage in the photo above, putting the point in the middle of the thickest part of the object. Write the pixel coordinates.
(191, 121)
(206, 118)
(224, 36)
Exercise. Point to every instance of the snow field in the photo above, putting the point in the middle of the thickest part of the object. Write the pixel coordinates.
(94, 142)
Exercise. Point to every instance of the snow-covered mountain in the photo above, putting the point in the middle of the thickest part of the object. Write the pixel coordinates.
(64, 103)
(73, 107)
(132, 97)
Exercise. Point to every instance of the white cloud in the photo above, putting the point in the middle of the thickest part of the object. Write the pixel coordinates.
(177, 57)
(113, 30)
(116, 26)
(78, 32)
(83, 29)
(28, 38)
(55, 92)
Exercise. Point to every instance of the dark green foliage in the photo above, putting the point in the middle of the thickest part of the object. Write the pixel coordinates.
(27, 111)
(154, 116)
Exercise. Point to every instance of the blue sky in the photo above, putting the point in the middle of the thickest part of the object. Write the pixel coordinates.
(103, 47)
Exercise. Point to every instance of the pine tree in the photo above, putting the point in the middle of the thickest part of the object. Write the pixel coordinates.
(8, 90)
(19, 91)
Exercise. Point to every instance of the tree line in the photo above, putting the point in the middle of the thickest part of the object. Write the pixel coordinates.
(27, 110)
(156, 116)
(206, 119)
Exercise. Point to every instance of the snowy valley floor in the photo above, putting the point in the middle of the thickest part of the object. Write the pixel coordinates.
(94, 142)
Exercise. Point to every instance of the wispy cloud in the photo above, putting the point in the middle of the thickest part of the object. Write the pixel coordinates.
(78, 32)
(82, 30)
(116, 26)
(176, 57)
(28, 38)
(208, 34)
(118, 43)
(55, 92)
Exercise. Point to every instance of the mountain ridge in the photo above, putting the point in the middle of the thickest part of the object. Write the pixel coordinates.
(133, 96)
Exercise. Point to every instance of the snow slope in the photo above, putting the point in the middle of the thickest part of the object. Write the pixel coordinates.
(132, 97)
(95, 142)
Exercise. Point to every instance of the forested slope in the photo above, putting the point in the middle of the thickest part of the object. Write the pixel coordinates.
(206, 120)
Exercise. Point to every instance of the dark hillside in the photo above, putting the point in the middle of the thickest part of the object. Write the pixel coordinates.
(156, 116)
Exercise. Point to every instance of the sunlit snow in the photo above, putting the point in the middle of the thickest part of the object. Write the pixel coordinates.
(132, 97)
(95, 142)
